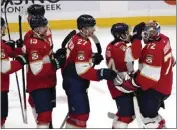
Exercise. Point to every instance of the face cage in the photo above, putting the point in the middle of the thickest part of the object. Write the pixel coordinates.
(151, 33)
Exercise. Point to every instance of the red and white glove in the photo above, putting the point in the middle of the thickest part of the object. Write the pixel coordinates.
(126, 86)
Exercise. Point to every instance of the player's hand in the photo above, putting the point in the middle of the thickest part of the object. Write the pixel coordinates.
(97, 58)
(11, 43)
(107, 74)
(22, 59)
(20, 43)
(137, 31)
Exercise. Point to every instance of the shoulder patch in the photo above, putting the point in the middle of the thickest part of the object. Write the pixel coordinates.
(123, 48)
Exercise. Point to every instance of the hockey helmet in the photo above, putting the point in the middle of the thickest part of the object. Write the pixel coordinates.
(85, 21)
(38, 21)
(36, 9)
(120, 31)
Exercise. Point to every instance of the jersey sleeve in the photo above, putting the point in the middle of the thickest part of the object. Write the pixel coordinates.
(133, 52)
(150, 71)
(40, 65)
(7, 66)
(83, 61)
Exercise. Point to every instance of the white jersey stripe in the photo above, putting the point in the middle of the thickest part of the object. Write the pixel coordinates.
(151, 72)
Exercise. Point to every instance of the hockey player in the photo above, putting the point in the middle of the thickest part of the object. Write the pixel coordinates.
(120, 58)
(34, 10)
(42, 67)
(154, 76)
(78, 72)
(7, 67)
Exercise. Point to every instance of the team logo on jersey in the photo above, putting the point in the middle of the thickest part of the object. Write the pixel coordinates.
(81, 55)
(2, 54)
(123, 48)
(34, 56)
(149, 59)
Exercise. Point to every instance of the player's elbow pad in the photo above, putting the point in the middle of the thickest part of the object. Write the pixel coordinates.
(82, 67)
(6, 66)
(36, 66)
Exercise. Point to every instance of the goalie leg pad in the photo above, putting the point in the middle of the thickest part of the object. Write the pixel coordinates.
(77, 121)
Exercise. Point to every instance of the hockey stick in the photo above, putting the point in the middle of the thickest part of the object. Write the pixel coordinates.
(64, 121)
(13, 59)
(111, 115)
(23, 73)
(5, 7)
(63, 45)
(68, 38)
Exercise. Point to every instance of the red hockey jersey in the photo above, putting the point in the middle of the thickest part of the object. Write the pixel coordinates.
(40, 71)
(79, 52)
(7, 66)
(119, 57)
(155, 66)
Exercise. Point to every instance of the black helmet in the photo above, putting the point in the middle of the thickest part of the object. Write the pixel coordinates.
(2, 22)
(119, 28)
(36, 9)
(85, 21)
(38, 21)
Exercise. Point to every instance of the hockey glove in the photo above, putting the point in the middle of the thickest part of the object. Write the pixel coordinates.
(60, 56)
(20, 43)
(11, 43)
(107, 74)
(137, 31)
(22, 59)
(97, 58)
(55, 63)
(59, 52)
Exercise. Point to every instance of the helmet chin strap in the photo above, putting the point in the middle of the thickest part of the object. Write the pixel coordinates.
(85, 34)
(38, 34)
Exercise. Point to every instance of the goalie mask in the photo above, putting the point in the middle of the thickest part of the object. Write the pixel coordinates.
(151, 31)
